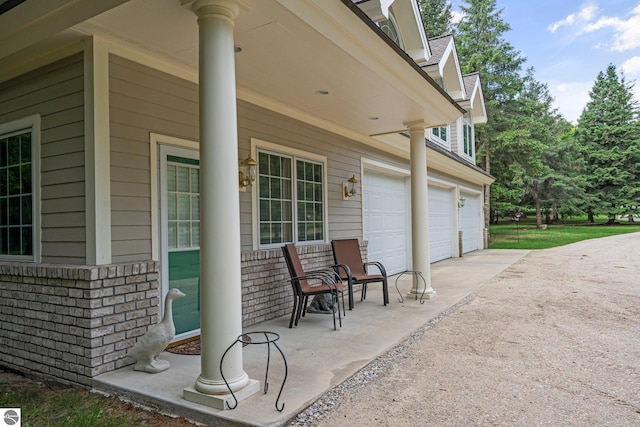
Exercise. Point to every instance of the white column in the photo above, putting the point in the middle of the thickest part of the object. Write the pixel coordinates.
(220, 274)
(419, 211)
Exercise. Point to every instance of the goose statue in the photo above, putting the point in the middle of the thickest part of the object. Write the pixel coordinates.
(147, 348)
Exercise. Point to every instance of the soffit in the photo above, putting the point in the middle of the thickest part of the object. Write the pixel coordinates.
(291, 50)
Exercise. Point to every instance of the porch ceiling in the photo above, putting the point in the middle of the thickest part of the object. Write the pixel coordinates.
(291, 50)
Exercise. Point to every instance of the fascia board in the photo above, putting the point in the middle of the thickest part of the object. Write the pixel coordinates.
(34, 21)
(442, 163)
(438, 161)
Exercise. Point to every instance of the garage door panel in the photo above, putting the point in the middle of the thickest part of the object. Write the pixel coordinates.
(386, 228)
(440, 224)
(470, 219)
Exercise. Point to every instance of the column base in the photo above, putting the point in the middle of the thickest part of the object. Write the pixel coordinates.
(221, 401)
(417, 294)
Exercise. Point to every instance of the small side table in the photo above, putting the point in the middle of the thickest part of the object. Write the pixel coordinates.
(260, 337)
(416, 274)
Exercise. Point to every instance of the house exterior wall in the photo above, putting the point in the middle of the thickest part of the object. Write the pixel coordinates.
(141, 100)
(68, 321)
(56, 93)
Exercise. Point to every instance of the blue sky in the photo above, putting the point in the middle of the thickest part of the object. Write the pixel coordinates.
(568, 42)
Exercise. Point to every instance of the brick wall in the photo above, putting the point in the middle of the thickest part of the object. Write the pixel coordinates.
(266, 291)
(71, 323)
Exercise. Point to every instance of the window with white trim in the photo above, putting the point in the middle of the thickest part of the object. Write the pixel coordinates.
(390, 28)
(291, 199)
(183, 203)
(440, 134)
(467, 135)
(17, 194)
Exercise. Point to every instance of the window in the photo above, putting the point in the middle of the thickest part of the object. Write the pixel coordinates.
(290, 198)
(467, 136)
(183, 203)
(390, 28)
(16, 194)
(440, 133)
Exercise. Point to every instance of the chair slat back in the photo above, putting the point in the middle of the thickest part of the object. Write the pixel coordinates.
(347, 251)
(293, 263)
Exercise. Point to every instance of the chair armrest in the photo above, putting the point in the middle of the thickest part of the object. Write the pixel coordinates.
(327, 277)
(344, 267)
(378, 265)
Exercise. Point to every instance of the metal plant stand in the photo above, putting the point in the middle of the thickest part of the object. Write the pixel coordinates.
(261, 337)
(415, 274)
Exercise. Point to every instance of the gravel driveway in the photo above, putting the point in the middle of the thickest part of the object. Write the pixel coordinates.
(553, 340)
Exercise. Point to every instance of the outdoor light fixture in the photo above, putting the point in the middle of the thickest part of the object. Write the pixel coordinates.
(349, 188)
(461, 201)
(247, 172)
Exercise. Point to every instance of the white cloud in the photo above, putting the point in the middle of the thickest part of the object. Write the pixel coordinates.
(456, 16)
(631, 67)
(571, 98)
(585, 14)
(627, 31)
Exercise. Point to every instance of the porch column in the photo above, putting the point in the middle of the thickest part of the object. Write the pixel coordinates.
(220, 274)
(419, 211)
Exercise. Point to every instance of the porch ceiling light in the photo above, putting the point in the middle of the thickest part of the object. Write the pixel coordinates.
(349, 188)
(247, 172)
(461, 201)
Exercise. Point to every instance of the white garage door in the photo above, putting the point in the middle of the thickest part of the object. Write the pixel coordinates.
(470, 218)
(385, 220)
(440, 224)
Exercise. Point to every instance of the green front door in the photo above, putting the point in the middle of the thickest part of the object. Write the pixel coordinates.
(182, 216)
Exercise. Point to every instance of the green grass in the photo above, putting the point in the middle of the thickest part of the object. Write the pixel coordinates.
(62, 407)
(525, 235)
(45, 405)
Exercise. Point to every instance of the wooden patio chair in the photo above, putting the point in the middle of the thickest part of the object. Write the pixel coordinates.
(350, 267)
(326, 282)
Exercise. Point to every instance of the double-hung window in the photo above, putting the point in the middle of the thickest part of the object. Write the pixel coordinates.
(467, 136)
(18, 141)
(291, 199)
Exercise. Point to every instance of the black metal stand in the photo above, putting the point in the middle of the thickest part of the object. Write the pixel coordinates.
(416, 274)
(261, 337)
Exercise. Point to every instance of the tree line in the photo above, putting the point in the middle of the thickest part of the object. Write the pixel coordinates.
(541, 161)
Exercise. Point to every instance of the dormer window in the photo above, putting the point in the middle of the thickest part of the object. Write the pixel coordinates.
(440, 135)
(467, 135)
(390, 28)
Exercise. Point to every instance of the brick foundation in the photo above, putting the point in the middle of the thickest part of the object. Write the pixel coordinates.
(69, 323)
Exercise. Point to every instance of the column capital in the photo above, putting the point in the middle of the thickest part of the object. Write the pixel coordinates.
(229, 9)
(416, 125)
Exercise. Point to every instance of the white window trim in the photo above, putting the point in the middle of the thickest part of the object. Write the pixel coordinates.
(464, 121)
(32, 123)
(438, 140)
(281, 149)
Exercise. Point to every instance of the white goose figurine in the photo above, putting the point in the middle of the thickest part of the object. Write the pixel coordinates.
(147, 348)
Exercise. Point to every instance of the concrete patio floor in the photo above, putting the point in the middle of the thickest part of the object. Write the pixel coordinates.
(318, 357)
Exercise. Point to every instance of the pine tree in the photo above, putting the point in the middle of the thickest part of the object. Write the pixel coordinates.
(481, 47)
(436, 17)
(609, 134)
